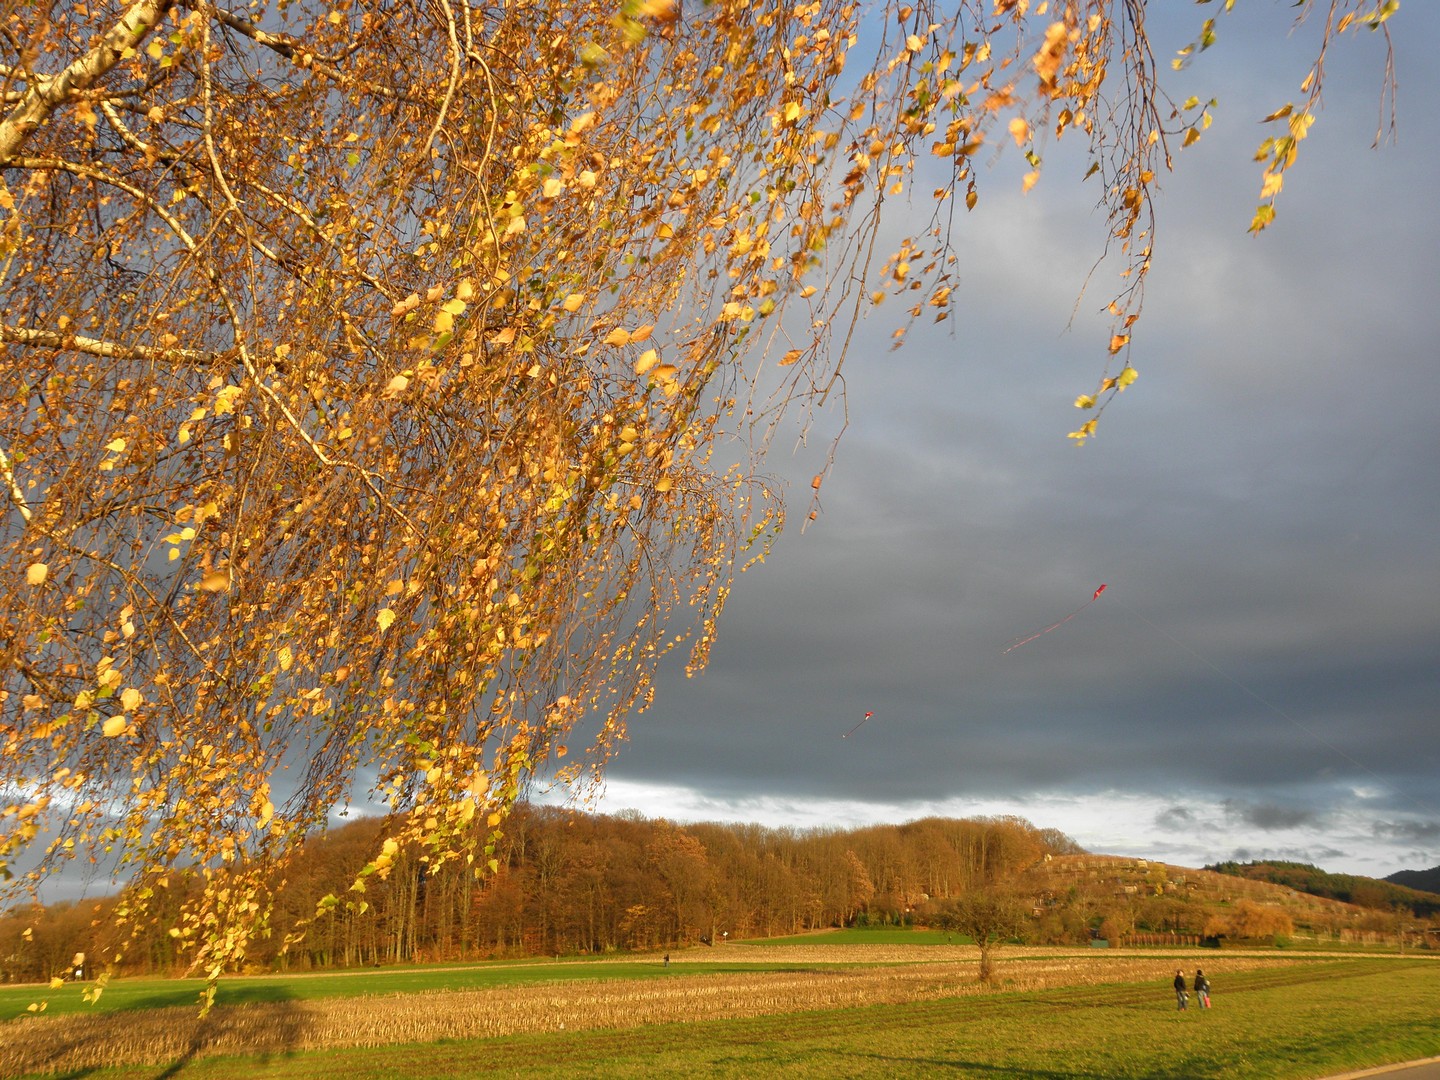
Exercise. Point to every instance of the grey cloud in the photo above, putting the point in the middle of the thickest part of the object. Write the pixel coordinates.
(1270, 817)
(1262, 504)
(1176, 818)
(1409, 832)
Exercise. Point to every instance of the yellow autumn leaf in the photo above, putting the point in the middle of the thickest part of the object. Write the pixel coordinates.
(286, 658)
(618, 336)
(574, 301)
(131, 699)
(1084, 401)
(36, 573)
(116, 446)
(1019, 130)
(648, 359)
(215, 581)
(116, 725)
(384, 617)
(225, 400)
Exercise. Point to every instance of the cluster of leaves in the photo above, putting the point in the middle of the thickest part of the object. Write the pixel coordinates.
(383, 395)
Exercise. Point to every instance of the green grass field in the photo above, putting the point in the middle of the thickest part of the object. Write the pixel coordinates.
(1299, 1019)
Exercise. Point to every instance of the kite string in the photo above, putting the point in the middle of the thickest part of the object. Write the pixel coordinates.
(1268, 703)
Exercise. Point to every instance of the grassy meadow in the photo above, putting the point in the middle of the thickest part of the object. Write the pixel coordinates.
(838, 1008)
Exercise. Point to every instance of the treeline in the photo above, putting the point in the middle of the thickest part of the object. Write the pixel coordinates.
(1424, 880)
(568, 883)
(1382, 895)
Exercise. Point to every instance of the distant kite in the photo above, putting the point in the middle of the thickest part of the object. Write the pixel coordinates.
(857, 726)
(1062, 622)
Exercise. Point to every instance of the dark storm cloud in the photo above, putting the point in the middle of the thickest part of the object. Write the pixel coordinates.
(1267, 816)
(1262, 504)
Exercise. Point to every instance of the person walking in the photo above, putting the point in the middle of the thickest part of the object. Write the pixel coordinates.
(1182, 999)
(1202, 989)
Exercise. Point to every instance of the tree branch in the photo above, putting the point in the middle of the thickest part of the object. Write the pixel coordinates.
(45, 95)
(16, 495)
(54, 339)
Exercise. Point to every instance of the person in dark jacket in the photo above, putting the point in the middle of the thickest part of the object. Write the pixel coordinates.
(1182, 999)
(1202, 989)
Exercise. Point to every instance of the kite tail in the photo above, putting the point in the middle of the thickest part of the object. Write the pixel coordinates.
(1056, 625)
(857, 726)
(1047, 629)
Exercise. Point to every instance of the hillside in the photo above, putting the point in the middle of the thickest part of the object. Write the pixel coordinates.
(1383, 895)
(1425, 880)
(1182, 900)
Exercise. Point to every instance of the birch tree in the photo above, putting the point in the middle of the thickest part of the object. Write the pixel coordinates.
(386, 387)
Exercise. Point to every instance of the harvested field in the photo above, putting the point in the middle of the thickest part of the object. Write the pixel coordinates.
(883, 975)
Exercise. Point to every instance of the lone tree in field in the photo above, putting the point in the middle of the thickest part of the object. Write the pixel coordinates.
(386, 386)
(989, 917)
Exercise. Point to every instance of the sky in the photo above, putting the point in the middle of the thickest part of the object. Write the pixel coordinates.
(1261, 677)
